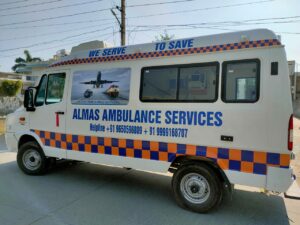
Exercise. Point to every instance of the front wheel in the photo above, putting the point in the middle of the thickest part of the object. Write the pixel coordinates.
(31, 159)
(197, 187)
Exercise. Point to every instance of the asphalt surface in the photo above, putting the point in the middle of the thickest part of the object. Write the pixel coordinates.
(2, 143)
(89, 194)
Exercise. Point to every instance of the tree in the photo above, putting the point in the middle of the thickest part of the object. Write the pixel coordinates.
(164, 37)
(10, 87)
(21, 62)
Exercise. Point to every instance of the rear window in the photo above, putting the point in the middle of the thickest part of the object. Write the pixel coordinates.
(198, 83)
(182, 83)
(240, 82)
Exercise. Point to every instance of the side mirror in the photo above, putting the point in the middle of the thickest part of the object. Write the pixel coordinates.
(28, 100)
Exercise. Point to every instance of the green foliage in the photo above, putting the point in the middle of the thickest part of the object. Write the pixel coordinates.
(10, 87)
(21, 62)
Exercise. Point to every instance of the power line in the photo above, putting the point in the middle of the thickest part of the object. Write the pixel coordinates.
(9, 3)
(189, 26)
(56, 40)
(57, 24)
(204, 23)
(51, 33)
(76, 42)
(66, 43)
(184, 28)
(230, 23)
(160, 3)
(73, 42)
(77, 4)
(134, 17)
(29, 5)
(55, 17)
(122, 22)
(49, 9)
(272, 18)
(201, 9)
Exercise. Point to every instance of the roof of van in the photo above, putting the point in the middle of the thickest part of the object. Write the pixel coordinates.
(202, 44)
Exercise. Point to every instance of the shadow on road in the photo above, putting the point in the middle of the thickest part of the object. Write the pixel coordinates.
(93, 194)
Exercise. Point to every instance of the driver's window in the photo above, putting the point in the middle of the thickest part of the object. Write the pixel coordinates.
(55, 89)
(41, 92)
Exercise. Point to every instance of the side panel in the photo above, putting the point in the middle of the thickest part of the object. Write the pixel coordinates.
(259, 136)
(248, 123)
(45, 122)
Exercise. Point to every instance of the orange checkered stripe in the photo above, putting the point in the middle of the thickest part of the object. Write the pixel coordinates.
(187, 51)
(228, 159)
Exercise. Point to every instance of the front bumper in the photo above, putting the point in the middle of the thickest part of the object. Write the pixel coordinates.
(11, 142)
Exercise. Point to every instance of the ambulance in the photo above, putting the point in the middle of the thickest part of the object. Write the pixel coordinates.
(214, 111)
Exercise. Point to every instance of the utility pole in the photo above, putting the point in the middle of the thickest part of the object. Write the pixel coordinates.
(122, 23)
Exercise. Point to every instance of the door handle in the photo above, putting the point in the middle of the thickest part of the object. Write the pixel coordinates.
(57, 117)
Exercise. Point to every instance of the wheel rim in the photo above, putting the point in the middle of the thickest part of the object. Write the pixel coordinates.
(195, 188)
(32, 159)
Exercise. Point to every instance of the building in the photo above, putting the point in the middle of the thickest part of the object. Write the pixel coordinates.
(32, 70)
(8, 75)
(294, 74)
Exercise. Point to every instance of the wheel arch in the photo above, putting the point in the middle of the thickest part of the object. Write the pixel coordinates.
(24, 138)
(186, 160)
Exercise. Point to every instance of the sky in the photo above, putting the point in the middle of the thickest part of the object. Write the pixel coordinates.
(46, 26)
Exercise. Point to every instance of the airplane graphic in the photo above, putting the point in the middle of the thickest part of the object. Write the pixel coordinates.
(98, 82)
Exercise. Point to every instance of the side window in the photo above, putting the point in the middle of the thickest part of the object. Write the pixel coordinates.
(198, 83)
(41, 92)
(182, 83)
(241, 81)
(159, 84)
(55, 88)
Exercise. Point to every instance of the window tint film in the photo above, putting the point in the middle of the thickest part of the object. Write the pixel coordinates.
(41, 92)
(241, 81)
(55, 90)
(159, 84)
(182, 83)
(198, 83)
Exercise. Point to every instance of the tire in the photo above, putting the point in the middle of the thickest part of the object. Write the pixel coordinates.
(197, 187)
(31, 159)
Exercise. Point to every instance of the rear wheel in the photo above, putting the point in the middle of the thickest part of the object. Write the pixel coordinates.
(197, 187)
(31, 159)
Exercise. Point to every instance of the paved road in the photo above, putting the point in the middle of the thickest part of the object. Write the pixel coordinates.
(88, 194)
(2, 143)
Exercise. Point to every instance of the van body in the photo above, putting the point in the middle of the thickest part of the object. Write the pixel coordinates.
(214, 109)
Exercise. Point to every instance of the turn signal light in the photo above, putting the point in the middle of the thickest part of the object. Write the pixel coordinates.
(22, 120)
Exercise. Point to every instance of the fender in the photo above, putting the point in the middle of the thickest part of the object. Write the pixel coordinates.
(20, 134)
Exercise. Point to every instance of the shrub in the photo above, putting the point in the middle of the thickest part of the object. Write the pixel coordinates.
(10, 87)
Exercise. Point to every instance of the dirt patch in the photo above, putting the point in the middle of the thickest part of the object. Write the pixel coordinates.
(296, 167)
(296, 163)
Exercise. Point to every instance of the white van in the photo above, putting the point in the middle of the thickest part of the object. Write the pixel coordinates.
(214, 110)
